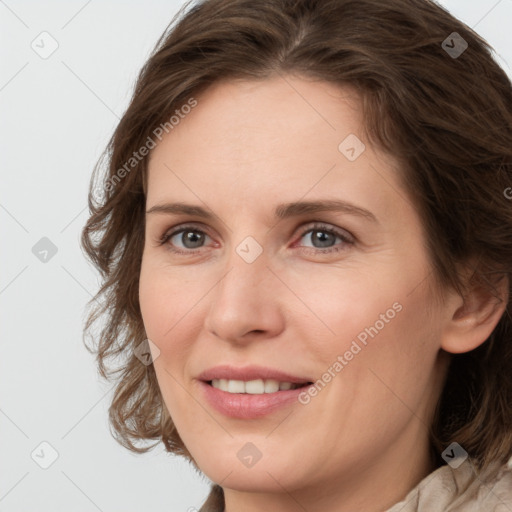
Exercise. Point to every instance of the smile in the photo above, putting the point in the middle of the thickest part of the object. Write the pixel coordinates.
(253, 387)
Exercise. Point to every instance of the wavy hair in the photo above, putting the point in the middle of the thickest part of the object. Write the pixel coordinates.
(446, 117)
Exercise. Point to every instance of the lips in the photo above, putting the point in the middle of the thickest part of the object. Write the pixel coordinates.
(249, 373)
(245, 405)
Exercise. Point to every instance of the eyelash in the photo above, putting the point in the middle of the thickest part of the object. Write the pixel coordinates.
(347, 239)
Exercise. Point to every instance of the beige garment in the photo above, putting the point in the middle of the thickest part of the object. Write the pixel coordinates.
(461, 489)
(446, 489)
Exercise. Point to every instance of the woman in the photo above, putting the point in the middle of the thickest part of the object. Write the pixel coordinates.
(305, 240)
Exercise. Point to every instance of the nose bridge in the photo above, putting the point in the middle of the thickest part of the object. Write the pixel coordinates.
(242, 300)
(245, 276)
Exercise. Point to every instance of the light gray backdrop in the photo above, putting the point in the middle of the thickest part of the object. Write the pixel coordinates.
(58, 106)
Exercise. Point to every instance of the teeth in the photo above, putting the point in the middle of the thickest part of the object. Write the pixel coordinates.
(252, 387)
(235, 386)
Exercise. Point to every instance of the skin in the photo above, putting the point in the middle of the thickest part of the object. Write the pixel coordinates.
(362, 443)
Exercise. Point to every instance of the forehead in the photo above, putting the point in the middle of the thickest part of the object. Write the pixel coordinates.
(247, 123)
(268, 138)
(289, 103)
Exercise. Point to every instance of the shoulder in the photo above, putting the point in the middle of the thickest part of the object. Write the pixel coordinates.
(461, 489)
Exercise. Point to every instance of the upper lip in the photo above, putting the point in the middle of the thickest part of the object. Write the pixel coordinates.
(247, 373)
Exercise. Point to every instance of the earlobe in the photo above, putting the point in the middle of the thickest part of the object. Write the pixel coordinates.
(474, 318)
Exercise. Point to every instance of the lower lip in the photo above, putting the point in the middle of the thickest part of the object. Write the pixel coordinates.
(247, 406)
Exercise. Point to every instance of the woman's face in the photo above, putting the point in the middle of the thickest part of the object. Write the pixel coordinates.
(340, 297)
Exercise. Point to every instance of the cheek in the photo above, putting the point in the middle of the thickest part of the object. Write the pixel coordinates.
(345, 305)
(377, 320)
(161, 308)
(165, 302)
(171, 308)
(392, 351)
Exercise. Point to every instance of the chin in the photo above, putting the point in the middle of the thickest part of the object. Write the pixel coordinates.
(250, 480)
(233, 468)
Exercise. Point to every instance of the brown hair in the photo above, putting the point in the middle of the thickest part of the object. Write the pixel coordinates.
(447, 118)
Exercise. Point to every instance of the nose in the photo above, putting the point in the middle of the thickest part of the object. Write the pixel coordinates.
(245, 304)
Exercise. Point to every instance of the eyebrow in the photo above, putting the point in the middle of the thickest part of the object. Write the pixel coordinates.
(282, 211)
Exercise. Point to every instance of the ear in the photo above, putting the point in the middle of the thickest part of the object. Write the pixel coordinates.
(472, 318)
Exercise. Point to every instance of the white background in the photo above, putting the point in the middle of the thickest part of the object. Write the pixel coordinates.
(56, 117)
